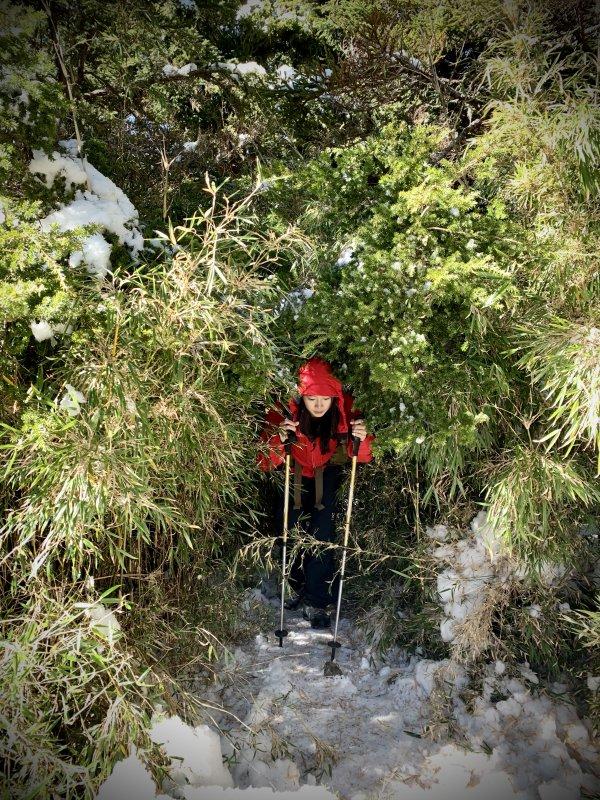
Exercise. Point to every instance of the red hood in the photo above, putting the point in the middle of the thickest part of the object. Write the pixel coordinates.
(315, 377)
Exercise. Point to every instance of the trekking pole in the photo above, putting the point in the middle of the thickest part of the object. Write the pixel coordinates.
(331, 668)
(291, 438)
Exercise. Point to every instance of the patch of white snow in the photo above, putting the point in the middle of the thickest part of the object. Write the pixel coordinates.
(71, 400)
(102, 203)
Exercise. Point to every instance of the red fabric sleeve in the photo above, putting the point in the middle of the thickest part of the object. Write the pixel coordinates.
(365, 453)
(272, 451)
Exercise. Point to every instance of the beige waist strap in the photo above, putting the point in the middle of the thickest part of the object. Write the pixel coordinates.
(298, 486)
(319, 488)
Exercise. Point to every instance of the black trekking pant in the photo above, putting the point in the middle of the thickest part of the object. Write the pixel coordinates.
(311, 574)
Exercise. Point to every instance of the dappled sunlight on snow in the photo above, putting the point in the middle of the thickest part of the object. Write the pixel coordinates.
(363, 735)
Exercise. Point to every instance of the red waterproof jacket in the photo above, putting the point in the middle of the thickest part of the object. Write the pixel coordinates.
(304, 452)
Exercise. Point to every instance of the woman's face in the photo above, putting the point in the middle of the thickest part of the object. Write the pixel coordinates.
(317, 405)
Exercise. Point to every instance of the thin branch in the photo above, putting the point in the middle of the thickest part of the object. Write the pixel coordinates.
(438, 155)
(59, 54)
(206, 74)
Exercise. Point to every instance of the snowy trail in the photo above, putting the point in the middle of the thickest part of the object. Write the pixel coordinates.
(410, 729)
(342, 725)
(360, 735)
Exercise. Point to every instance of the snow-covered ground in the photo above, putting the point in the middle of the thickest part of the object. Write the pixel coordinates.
(383, 730)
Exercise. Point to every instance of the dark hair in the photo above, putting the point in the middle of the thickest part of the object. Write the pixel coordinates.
(324, 427)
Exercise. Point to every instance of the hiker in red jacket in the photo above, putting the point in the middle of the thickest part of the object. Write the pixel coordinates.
(324, 420)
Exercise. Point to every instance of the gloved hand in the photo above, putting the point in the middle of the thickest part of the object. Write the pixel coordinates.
(359, 428)
(287, 425)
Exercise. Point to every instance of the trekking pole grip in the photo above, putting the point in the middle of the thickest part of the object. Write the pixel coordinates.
(291, 435)
(355, 445)
(291, 438)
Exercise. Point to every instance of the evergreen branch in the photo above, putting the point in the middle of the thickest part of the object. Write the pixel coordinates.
(206, 74)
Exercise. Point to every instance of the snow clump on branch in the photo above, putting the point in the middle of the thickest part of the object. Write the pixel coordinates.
(71, 400)
(43, 330)
(248, 8)
(238, 68)
(100, 203)
(286, 74)
(170, 70)
(295, 300)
